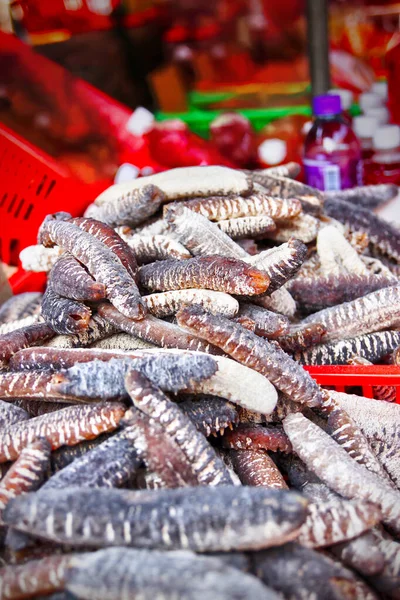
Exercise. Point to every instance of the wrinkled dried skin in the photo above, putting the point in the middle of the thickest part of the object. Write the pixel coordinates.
(283, 187)
(387, 582)
(217, 273)
(98, 329)
(35, 408)
(121, 573)
(207, 466)
(185, 182)
(39, 259)
(149, 248)
(167, 466)
(337, 521)
(253, 351)
(156, 331)
(36, 577)
(378, 266)
(20, 306)
(345, 432)
(362, 554)
(239, 384)
(334, 289)
(373, 312)
(257, 437)
(267, 323)
(10, 414)
(199, 235)
(31, 385)
(284, 406)
(202, 519)
(219, 208)
(105, 379)
(281, 262)
(382, 235)
(210, 414)
(64, 427)
(100, 261)
(256, 468)
(65, 455)
(122, 341)
(279, 301)
(11, 343)
(380, 423)
(109, 464)
(301, 574)
(396, 356)
(172, 370)
(20, 323)
(336, 254)
(366, 196)
(249, 246)
(247, 227)
(385, 393)
(300, 337)
(112, 240)
(63, 315)
(246, 322)
(27, 473)
(339, 471)
(69, 279)
(165, 304)
(290, 169)
(304, 228)
(130, 207)
(153, 226)
(372, 346)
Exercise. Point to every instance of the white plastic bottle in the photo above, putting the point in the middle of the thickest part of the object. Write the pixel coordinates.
(381, 88)
(380, 113)
(370, 100)
(364, 127)
(384, 166)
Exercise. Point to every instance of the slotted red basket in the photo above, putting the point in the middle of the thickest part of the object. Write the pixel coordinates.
(33, 184)
(343, 377)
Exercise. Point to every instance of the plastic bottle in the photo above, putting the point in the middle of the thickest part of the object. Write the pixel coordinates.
(369, 100)
(281, 141)
(384, 166)
(234, 137)
(380, 88)
(332, 153)
(380, 113)
(364, 127)
(347, 98)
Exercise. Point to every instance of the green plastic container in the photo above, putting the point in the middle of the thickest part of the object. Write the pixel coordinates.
(199, 121)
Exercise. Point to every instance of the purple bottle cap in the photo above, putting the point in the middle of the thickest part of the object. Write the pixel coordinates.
(327, 104)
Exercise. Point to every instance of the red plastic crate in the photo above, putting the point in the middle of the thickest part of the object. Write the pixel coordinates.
(33, 185)
(341, 377)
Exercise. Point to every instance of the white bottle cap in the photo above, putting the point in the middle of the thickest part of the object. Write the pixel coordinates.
(365, 126)
(272, 152)
(380, 113)
(387, 137)
(346, 97)
(140, 121)
(126, 172)
(369, 100)
(380, 88)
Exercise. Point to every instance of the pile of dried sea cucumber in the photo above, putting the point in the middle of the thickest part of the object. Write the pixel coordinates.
(153, 399)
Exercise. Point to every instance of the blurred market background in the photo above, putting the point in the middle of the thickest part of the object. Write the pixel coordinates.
(97, 91)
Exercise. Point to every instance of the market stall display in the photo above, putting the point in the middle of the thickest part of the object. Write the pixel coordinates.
(156, 400)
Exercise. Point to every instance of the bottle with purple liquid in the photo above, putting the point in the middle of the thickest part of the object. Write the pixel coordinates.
(332, 153)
